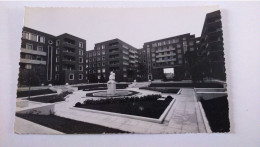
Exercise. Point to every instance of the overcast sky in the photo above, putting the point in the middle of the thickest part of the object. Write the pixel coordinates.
(132, 25)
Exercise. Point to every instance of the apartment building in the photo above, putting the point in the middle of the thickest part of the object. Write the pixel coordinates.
(211, 45)
(46, 58)
(168, 53)
(112, 55)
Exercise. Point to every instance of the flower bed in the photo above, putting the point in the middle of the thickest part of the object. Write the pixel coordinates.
(68, 126)
(145, 106)
(162, 90)
(192, 85)
(51, 99)
(34, 92)
(217, 113)
(100, 87)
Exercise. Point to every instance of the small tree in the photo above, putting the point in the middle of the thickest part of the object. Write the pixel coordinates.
(28, 78)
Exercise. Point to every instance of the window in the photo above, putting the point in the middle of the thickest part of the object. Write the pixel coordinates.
(99, 71)
(33, 37)
(87, 66)
(99, 77)
(40, 48)
(86, 71)
(90, 59)
(103, 46)
(180, 62)
(103, 63)
(94, 71)
(98, 59)
(28, 56)
(103, 52)
(41, 39)
(99, 64)
(94, 65)
(98, 53)
(191, 49)
(80, 76)
(103, 57)
(94, 53)
(98, 47)
(125, 75)
(71, 76)
(80, 60)
(191, 43)
(29, 46)
(90, 71)
(57, 77)
(80, 68)
(103, 70)
(81, 44)
(94, 59)
(81, 52)
(57, 59)
(178, 51)
(179, 56)
(178, 45)
(28, 66)
(86, 60)
(26, 35)
(90, 54)
(57, 51)
(58, 43)
(184, 38)
(57, 68)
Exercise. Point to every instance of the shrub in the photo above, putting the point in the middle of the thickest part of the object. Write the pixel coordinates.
(168, 98)
(121, 100)
(78, 104)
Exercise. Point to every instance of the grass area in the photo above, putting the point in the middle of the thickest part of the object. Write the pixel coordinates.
(217, 112)
(100, 87)
(162, 90)
(34, 92)
(146, 106)
(68, 126)
(192, 85)
(51, 98)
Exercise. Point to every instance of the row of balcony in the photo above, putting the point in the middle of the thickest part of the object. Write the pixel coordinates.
(30, 61)
(166, 55)
(35, 52)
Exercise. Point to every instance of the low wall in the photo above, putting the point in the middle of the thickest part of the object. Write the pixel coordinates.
(42, 109)
(22, 103)
(209, 93)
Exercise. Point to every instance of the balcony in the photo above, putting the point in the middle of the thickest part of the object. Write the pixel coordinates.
(166, 55)
(30, 61)
(35, 52)
(69, 44)
(165, 50)
(167, 60)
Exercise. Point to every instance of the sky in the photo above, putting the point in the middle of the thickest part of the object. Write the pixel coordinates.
(134, 26)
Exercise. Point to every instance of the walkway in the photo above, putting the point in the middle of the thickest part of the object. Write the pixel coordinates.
(184, 116)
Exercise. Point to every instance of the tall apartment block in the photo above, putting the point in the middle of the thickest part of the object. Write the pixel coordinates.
(113, 55)
(211, 45)
(168, 53)
(52, 59)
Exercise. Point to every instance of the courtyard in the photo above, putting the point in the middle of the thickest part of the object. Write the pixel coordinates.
(185, 115)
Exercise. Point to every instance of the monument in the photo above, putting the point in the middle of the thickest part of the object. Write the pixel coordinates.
(111, 84)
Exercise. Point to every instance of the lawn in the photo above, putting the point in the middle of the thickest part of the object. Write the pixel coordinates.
(34, 92)
(68, 126)
(144, 106)
(217, 112)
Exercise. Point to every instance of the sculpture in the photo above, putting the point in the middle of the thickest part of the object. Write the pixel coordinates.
(111, 84)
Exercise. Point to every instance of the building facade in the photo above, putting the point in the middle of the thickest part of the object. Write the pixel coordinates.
(113, 55)
(211, 46)
(64, 59)
(44, 59)
(168, 53)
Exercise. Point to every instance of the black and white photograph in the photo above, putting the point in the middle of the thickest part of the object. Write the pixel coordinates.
(122, 71)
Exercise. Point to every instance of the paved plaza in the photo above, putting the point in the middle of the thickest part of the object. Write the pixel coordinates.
(183, 117)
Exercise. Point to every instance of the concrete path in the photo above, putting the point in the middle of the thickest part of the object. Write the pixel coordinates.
(184, 116)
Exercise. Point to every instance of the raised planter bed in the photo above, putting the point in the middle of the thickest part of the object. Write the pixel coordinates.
(217, 112)
(209, 93)
(188, 85)
(163, 90)
(50, 98)
(68, 126)
(145, 108)
(101, 86)
(34, 92)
